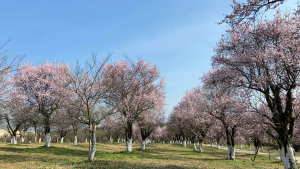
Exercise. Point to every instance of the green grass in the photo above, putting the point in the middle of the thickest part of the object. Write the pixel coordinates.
(113, 155)
(267, 149)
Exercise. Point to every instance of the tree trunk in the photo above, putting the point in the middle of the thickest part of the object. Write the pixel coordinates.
(256, 145)
(93, 141)
(241, 146)
(75, 135)
(218, 146)
(14, 139)
(129, 137)
(201, 147)
(231, 152)
(21, 136)
(110, 139)
(230, 143)
(47, 139)
(47, 132)
(40, 140)
(256, 151)
(62, 140)
(143, 143)
(75, 140)
(129, 145)
(288, 158)
(35, 134)
(194, 146)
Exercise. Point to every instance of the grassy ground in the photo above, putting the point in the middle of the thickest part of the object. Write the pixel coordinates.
(114, 156)
(272, 150)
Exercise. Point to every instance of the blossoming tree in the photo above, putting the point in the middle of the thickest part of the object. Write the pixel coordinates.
(264, 59)
(132, 89)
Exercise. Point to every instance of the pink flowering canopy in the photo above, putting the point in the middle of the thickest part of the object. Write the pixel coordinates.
(133, 88)
(41, 85)
(249, 11)
(263, 59)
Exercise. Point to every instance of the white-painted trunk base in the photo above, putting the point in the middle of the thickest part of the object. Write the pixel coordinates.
(256, 150)
(143, 143)
(198, 143)
(14, 140)
(75, 140)
(22, 140)
(262, 149)
(184, 143)
(40, 140)
(47, 140)
(62, 140)
(118, 140)
(231, 153)
(129, 146)
(241, 146)
(211, 144)
(250, 148)
(85, 140)
(194, 146)
(288, 158)
(93, 148)
(201, 148)
(218, 146)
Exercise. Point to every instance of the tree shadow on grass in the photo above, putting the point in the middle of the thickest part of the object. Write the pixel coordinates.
(47, 150)
(124, 165)
(152, 154)
(22, 158)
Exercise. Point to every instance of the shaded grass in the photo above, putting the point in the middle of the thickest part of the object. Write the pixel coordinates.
(267, 149)
(110, 155)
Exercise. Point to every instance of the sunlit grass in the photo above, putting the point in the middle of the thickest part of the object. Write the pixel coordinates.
(114, 156)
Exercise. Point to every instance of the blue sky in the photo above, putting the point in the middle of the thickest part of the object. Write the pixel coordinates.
(176, 35)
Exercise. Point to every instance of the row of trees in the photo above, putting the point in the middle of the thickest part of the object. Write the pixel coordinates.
(64, 97)
(253, 86)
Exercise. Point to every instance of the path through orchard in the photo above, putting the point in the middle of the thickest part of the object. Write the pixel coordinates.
(252, 152)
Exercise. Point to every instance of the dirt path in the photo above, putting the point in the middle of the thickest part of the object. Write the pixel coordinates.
(252, 152)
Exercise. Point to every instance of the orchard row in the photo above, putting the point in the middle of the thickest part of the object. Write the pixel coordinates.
(251, 94)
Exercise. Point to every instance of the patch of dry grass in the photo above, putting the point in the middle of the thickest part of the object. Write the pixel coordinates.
(114, 156)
